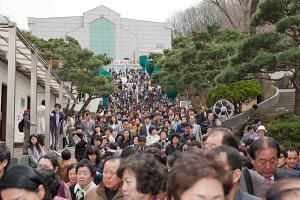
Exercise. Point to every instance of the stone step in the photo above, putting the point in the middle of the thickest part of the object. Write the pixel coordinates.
(287, 99)
(285, 104)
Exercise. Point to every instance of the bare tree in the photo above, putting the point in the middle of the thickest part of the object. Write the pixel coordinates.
(224, 7)
(237, 15)
(194, 18)
(237, 9)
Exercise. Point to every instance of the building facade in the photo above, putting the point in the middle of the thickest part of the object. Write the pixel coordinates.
(22, 99)
(102, 30)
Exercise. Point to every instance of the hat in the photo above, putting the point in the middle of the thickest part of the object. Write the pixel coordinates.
(262, 128)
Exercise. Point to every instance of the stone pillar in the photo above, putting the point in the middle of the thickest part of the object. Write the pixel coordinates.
(47, 107)
(11, 86)
(33, 94)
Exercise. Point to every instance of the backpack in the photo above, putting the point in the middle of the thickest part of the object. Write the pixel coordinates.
(21, 125)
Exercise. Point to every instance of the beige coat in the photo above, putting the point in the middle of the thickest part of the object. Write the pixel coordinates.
(98, 193)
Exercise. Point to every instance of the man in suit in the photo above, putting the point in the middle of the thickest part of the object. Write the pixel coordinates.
(196, 128)
(251, 182)
(187, 128)
(145, 128)
(257, 182)
(265, 154)
(230, 158)
(56, 125)
(88, 126)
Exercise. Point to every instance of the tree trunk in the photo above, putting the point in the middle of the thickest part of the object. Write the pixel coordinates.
(246, 19)
(297, 92)
(236, 108)
(68, 105)
(86, 103)
(197, 101)
(297, 102)
(69, 100)
(240, 107)
(72, 108)
(253, 8)
(224, 10)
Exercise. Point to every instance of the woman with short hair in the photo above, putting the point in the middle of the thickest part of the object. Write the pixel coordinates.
(194, 176)
(85, 175)
(143, 177)
(71, 173)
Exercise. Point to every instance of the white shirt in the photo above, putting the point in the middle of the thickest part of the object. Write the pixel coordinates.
(150, 139)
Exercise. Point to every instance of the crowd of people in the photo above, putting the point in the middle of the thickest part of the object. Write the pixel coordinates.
(143, 147)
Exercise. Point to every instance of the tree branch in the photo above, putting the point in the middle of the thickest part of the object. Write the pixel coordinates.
(266, 78)
(223, 10)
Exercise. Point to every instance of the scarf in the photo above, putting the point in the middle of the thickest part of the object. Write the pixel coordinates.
(81, 191)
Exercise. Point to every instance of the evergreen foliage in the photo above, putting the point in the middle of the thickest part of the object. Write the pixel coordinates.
(80, 66)
(265, 53)
(194, 61)
(237, 93)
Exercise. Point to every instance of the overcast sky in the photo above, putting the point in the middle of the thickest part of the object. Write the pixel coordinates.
(151, 10)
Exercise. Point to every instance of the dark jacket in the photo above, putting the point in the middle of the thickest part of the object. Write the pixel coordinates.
(143, 130)
(80, 146)
(26, 117)
(53, 120)
(185, 137)
(171, 149)
(207, 123)
(123, 144)
(283, 173)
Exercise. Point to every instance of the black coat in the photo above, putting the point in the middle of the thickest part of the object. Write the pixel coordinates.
(284, 173)
(171, 149)
(123, 144)
(53, 120)
(80, 148)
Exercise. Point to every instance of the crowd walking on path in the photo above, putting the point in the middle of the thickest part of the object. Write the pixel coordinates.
(141, 146)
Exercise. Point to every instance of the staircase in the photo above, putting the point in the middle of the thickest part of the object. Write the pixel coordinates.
(286, 101)
(282, 102)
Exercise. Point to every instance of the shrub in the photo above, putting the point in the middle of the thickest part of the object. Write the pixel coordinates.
(284, 128)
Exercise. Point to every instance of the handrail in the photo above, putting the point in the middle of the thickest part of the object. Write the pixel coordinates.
(231, 122)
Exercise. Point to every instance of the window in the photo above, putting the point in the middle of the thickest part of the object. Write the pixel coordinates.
(160, 45)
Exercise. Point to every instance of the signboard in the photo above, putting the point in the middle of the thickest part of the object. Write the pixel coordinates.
(123, 65)
(184, 104)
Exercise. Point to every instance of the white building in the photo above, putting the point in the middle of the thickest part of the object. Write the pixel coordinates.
(102, 30)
